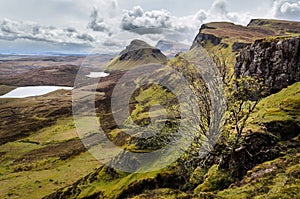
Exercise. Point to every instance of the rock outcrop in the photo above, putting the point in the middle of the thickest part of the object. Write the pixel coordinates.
(202, 39)
(238, 46)
(277, 62)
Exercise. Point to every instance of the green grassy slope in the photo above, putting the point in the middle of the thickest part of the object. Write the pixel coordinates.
(43, 162)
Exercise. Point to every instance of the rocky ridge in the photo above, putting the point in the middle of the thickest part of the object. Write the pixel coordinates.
(227, 34)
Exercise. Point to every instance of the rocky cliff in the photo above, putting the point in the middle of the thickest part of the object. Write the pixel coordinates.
(276, 61)
(225, 34)
(266, 49)
(204, 38)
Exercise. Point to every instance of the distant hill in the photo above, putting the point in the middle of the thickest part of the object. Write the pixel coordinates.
(137, 53)
(63, 75)
(171, 48)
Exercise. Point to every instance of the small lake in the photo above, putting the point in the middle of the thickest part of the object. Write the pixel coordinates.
(30, 91)
(97, 74)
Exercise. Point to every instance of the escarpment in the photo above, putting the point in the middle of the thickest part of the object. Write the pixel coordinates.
(275, 61)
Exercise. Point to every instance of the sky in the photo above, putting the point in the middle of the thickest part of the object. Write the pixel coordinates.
(105, 26)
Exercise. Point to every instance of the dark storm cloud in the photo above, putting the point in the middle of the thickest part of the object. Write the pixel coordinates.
(97, 24)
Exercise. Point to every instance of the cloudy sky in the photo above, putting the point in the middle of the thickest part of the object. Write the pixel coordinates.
(81, 26)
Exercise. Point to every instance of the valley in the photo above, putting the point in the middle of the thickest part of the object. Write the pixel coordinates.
(48, 142)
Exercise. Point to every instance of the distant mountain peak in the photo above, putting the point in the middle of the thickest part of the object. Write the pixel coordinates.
(135, 45)
(136, 53)
(171, 48)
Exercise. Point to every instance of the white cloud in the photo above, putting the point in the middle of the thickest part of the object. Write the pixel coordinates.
(149, 22)
(219, 7)
(103, 24)
(111, 31)
(286, 9)
(163, 22)
(16, 30)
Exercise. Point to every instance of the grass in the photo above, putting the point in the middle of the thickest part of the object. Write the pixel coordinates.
(275, 179)
(42, 177)
(111, 187)
(13, 151)
(279, 27)
(279, 38)
(278, 178)
(162, 194)
(6, 89)
(258, 29)
(215, 179)
(38, 183)
(234, 33)
(283, 107)
(137, 58)
(154, 95)
(62, 130)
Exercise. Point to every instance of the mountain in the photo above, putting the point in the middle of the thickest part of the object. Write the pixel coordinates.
(265, 49)
(237, 36)
(171, 48)
(42, 156)
(137, 53)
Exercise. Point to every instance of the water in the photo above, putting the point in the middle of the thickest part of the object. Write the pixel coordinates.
(97, 74)
(30, 91)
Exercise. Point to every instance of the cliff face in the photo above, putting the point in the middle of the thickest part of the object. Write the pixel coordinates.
(203, 38)
(277, 62)
(225, 34)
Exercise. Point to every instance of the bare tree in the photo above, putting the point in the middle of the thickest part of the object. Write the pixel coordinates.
(243, 95)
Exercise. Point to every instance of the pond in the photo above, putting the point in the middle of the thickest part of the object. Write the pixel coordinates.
(97, 74)
(30, 91)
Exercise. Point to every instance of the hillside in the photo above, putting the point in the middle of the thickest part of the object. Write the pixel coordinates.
(137, 53)
(279, 27)
(266, 140)
(63, 75)
(42, 156)
(273, 144)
